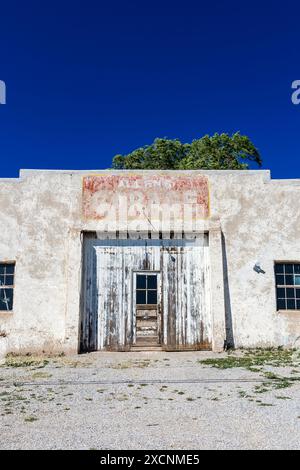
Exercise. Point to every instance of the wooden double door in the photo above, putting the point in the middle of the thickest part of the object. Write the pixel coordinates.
(145, 292)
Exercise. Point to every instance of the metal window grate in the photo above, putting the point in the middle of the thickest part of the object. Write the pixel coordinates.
(7, 276)
(287, 277)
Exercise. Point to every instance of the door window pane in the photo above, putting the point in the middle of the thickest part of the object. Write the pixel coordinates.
(151, 282)
(141, 281)
(152, 296)
(146, 289)
(141, 297)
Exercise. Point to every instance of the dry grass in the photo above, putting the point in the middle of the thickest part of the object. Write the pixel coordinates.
(40, 361)
(253, 359)
(15, 360)
(132, 364)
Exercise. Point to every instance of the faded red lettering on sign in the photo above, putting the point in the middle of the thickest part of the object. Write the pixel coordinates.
(103, 193)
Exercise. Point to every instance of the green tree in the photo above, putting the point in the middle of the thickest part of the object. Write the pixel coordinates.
(217, 152)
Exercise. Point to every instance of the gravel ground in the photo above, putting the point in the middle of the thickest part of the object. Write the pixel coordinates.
(145, 401)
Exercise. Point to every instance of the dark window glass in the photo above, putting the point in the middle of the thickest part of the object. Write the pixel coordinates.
(288, 268)
(141, 297)
(6, 279)
(146, 289)
(280, 280)
(7, 268)
(287, 274)
(151, 282)
(290, 304)
(281, 304)
(280, 292)
(141, 281)
(279, 268)
(152, 297)
(290, 293)
(6, 299)
(289, 280)
(297, 279)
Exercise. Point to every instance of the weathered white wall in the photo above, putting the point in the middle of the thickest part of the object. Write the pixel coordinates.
(41, 221)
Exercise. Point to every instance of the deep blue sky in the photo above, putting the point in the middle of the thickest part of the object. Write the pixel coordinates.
(89, 79)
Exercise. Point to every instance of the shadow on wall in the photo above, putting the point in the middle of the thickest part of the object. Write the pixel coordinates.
(229, 341)
(89, 297)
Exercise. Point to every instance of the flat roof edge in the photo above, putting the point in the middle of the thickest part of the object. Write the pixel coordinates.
(27, 172)
(266, 174)
(10, 180)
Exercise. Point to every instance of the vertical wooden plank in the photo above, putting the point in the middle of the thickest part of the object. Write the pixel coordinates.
(93, 298)
(101, 257)
(169, 271)
(186, 306)
(89, 324)
(128, 260)
(84, 299)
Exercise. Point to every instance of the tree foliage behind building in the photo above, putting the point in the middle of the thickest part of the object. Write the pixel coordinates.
(217, 152)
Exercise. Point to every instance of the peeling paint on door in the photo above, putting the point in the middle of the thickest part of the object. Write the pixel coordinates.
(108, 304)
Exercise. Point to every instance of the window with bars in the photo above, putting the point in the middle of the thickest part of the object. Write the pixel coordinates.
(287, 286)
(7, 274)
(146, 289)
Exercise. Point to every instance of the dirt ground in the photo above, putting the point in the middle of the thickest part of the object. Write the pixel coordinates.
(155, 400)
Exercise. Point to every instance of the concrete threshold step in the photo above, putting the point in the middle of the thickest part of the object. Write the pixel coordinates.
(145, 348)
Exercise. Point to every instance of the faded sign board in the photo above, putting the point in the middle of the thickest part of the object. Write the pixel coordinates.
(146, 202)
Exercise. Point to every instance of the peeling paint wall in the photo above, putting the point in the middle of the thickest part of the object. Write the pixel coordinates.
(43, 215)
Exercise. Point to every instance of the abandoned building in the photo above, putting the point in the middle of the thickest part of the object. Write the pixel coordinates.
(134, 260)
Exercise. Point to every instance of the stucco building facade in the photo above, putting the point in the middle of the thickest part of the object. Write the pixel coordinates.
(131, 260)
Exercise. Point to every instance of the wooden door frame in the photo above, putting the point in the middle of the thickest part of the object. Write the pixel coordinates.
(159, 301)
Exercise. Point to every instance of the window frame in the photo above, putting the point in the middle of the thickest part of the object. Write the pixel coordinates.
(285, 286)
(146, 289)
(8, 286)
